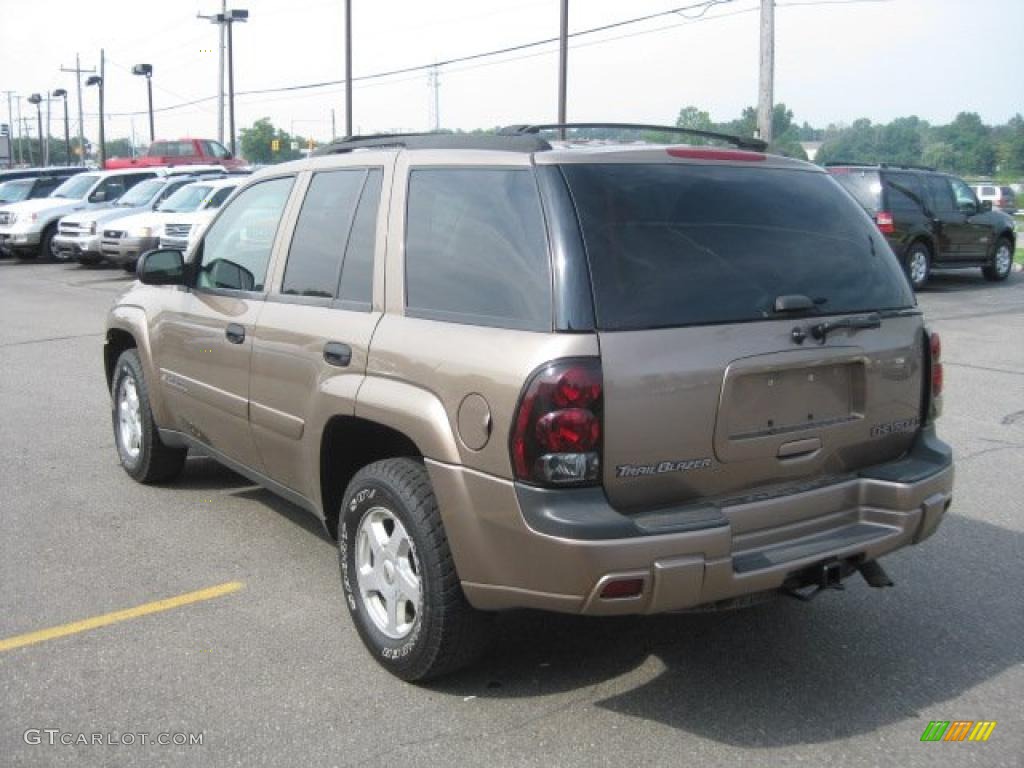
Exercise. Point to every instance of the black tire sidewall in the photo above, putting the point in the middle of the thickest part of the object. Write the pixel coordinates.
(406, 655)
(915, 248)
(128, 364)
(996, 276)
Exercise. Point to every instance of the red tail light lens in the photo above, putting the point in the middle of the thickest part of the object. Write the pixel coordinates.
(935, 344)
(556, 433)
(885, 222)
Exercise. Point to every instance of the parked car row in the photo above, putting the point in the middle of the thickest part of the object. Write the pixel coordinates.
(932, 220)
(75, 213)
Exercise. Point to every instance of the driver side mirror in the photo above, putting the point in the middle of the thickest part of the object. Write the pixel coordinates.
(99, 196)
(161, 267)
(968, 208)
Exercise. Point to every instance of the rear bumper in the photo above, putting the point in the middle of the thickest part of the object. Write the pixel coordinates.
(517, 547)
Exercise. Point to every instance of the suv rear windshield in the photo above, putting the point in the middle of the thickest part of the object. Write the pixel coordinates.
(865, 186)
(674, 245)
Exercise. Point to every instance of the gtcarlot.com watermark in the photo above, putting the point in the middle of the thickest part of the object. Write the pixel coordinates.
(55, 736)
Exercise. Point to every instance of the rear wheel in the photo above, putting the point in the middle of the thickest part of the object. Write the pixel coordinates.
(918, 264)
(399, 577)
(1002, 262)
(143, 455)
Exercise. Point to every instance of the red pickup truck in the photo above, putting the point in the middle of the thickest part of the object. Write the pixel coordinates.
(179, 152)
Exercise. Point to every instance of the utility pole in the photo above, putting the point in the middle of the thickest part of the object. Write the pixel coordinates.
(220, 73)
(103, 133)
(81, 116)
(10, 123)
(26, 131)
(21, 132)
(348, 67)
(434, 110)
(46, 145)
(766, 86)
(334, 130)
(563, 64)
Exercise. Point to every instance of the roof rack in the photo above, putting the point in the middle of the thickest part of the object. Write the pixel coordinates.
(900, 166)
(508, 143)
(741, 142)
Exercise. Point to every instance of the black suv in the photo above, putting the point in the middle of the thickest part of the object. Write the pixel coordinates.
(932, 220)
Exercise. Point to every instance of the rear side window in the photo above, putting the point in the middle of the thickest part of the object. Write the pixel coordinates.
(476, 248)
(318, 245)
(904, 193)
(865, 186)
(674, 245)
(357, 270)
(940, 193)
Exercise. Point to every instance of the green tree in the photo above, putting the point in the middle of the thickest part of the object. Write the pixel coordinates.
(971, 141)
(257, 143)
(1010, 146)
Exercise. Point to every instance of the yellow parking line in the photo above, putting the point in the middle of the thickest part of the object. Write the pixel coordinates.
(31, 638)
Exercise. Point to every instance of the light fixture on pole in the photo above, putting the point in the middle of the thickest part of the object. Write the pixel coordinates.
(147, 71)
(36, 99)
(230, 18)
(97, 81)
(60, 93)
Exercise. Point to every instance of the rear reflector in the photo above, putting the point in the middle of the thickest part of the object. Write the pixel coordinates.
(885, 222)
(623, 588)
(716, 154)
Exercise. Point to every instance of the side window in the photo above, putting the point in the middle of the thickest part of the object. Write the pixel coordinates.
(318, 245)
(219, 196)
(964, 195)
(357, 269)
(904, 191)
(236, 248)
(940, 193)
(45, 186)
(133, 179)
(476, 249)
(109, 189)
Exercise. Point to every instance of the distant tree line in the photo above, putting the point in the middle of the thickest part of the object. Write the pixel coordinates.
(966, 146)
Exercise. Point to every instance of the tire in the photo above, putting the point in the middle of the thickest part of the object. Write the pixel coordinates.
(144, 457)
(1002, 262)
(918, 265)
(391, 537)
(46, 249)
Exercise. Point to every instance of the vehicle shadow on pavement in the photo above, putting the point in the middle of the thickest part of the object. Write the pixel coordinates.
(956, 281)
(787, 673)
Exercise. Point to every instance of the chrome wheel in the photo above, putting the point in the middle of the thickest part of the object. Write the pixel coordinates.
(129, 418)
(387, 573)
(918, 267)
(1002, 260)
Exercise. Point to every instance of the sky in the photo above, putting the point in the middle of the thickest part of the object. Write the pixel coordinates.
(836, 61)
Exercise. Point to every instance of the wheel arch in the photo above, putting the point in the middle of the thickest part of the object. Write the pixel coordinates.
(127, 329)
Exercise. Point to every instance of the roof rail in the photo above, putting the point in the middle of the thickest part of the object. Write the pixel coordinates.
(742, 142)
(901, 166)
(508, 143)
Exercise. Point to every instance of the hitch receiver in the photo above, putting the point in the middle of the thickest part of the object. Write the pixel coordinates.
(811, 582)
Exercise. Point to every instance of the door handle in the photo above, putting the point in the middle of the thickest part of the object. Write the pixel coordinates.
(235, 333)
(336, 353)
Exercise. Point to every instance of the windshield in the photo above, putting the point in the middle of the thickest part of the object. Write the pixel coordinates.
(76, 187)
(186, 199)
(675, 245)
(15, 191)
(140, 194)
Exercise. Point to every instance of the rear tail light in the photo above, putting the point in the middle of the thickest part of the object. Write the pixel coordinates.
(885, 222)
(932, 404)
(556, 433)
(935, 345)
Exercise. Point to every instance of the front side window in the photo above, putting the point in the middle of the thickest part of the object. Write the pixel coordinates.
(964, 195)
(141, 194)
(76, 187)
(476, 248)
(236, 249)
(678, 245)
(318, 245)
(186, 199)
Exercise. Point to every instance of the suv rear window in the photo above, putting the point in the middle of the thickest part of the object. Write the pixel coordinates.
(675, 245)
(865, 186)
(476, 248)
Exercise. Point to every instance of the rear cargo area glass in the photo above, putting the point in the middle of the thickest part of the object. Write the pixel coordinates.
(672, 245)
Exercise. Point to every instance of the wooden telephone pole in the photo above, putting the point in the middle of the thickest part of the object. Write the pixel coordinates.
(766, 85)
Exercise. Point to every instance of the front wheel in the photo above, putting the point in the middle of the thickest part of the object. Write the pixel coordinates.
(919, 265)
(48, 248)
(143, 455)
(1002, 262)
(399, 578)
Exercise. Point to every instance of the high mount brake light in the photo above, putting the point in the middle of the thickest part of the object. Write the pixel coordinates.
(556, 432)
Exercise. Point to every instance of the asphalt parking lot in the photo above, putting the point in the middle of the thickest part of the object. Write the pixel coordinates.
(271, 671)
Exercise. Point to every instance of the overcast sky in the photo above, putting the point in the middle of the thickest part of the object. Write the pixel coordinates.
(835, 61)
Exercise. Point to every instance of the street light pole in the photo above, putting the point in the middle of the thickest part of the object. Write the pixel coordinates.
(36, 99)
(60, 93)
(230, 18)
(97, 81)
(147, 70)
(348, 67)
(563, 64)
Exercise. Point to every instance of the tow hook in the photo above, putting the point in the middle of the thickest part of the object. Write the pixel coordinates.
(815, 580)
(874, 574)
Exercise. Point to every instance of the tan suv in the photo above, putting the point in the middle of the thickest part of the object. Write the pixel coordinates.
(508, 372)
